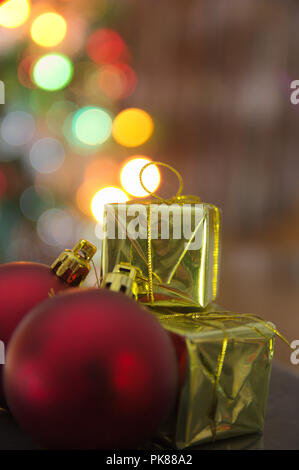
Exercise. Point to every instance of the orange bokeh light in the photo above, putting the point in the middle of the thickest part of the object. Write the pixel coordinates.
(132, 127)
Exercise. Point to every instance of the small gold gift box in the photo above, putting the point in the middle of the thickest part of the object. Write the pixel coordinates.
(225, 363)
(178, 242)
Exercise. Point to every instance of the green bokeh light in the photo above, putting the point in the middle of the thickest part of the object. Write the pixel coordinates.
(53, 72)
(92, 126)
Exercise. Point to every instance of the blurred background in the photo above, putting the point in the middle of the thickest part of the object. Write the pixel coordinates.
(205, 86)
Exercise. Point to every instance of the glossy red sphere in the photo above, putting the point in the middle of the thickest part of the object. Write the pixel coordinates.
(90, 369)
(23, 285)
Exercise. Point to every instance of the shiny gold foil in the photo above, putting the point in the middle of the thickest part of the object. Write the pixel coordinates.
(221, 395)
(181, 277)
(73, 266)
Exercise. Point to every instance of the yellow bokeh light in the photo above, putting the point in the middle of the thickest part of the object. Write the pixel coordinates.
(106, 196)
(132, 127)
(14, 13)
(48, 29)
(130, 177)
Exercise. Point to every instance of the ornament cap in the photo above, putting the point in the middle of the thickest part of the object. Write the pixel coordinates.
(85, 249)
(122, 279)
(72, 266)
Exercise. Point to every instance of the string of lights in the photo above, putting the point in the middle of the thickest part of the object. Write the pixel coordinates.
(68, 77)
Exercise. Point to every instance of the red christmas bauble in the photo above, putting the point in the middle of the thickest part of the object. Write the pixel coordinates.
(23, 285)
(90, 369)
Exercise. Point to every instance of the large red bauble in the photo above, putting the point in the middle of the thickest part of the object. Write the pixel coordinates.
(23, 285)
(90, 369)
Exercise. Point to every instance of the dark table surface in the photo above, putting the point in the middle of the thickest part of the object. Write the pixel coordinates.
(281, 426)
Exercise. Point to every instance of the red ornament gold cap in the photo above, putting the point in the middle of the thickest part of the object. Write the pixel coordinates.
(72, 266)
(122, 279)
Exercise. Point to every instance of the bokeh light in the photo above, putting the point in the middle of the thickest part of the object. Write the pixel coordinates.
(53, 72)
(105, 46)
(48, 29)
(47, 155)
(106, 196)
(17, 128)
(34, 201)
(55, 227)
(14, 13)
(132, 127)
(76, 145)
(92, 126)
(117, 81)
(130, 177)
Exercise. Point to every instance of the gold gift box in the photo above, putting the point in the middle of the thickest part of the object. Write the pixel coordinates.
(225, 363)
(185, 265)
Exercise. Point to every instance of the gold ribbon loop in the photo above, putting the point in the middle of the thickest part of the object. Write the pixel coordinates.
(152, 193)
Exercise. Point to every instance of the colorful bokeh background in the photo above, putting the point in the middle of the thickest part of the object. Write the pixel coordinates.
(70, 125)
(202, 85)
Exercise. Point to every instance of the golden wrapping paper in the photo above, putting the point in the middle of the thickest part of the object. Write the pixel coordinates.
(224, 358)
(225, 363)
(182, 277)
